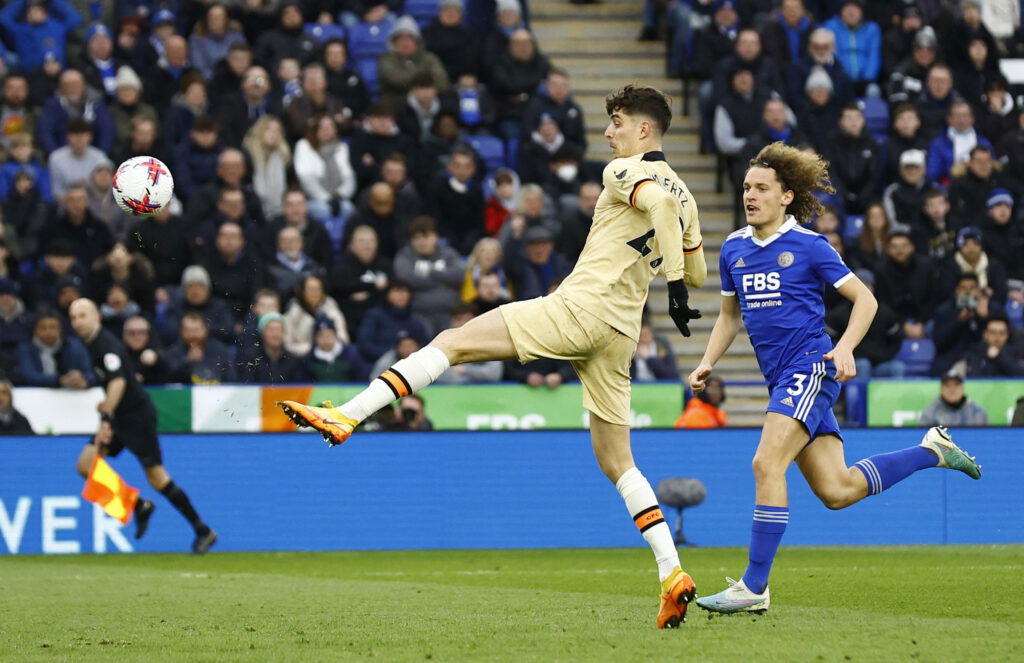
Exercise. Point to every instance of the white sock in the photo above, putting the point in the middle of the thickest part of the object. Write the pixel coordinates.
(643, 507)
(405, 377)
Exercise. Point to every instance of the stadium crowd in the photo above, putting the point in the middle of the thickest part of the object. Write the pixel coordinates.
(926, 142)
(351, 177)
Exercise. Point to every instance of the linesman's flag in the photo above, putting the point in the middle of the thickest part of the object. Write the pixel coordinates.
(105, 487)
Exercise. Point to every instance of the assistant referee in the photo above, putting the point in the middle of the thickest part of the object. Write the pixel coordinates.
(128, 419)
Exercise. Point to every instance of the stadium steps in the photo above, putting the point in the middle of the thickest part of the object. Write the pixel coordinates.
(596, 45)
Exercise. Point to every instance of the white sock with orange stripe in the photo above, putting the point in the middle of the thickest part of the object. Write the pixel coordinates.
(405, 377)
(643, 507)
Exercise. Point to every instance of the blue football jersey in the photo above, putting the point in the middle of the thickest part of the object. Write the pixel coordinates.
(780, 282)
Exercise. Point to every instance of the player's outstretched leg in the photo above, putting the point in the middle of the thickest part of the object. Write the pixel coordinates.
(484, 338)
(611, 447)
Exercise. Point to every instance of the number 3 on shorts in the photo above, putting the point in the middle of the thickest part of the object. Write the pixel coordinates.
(797, 388)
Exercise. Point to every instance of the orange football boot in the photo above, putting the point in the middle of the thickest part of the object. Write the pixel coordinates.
(677, 591)
(332, 424)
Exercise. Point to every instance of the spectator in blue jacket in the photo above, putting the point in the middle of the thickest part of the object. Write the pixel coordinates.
(21, 157)
(955, 144)
(532, 262)
(15, 324)
(858, 44)
(37, 26)
(75, 100)
(50, 360)
(392, 320)
(196, 358)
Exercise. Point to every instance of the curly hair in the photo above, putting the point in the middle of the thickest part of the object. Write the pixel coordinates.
(803, 173)
(639, 100)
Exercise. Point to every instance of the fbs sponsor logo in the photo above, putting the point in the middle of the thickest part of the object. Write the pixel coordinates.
(788, 400)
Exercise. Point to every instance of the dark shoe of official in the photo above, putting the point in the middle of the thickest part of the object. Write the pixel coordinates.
(143, 510)
(204, 542)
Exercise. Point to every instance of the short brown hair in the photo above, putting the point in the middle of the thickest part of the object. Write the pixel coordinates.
(422, 225)
(648, 101)
(802, 173)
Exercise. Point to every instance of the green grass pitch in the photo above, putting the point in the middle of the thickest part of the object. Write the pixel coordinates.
(923, 603)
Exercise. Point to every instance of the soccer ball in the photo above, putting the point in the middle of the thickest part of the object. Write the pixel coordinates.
(142, 186)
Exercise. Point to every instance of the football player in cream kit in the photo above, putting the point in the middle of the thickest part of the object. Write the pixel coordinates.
(645, 223)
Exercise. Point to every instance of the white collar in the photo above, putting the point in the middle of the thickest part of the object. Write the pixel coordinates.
(786, 226)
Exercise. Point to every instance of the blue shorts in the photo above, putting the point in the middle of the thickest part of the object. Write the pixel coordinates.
(806, 393)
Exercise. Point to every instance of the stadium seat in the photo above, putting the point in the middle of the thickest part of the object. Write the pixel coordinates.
(852, 227)
(423, 11)
(917, 354)
(1015, 314)
(512, 154)
(324, 31)
(367, 70)
(336, 229)
(876, 116)
(491, 149)
(368, 40)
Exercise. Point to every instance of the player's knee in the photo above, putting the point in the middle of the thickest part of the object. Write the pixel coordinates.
(766, 468)
(447, 342)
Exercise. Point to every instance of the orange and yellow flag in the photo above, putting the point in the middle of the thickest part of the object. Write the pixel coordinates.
(105, 487)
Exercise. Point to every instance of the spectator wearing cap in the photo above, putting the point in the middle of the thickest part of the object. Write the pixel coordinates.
(378, 137)
(1002, 234)
(972, 185)
(270, 362)
(21, 157)
(960, 320)
(390, 320)
(904, 198)
(311, 301)
(73, 163)
(162, 24)
(404, 60)
(49, 359)
(98, 63)
(514, 80)
(456, 200)
(12, 422)
(898, 42)
(332, 359)
(90, 237)
(875, 355)
(127, 105)
(287, 39)
(38, 26)
(212, 39)
(457, 44)
(905, 283)
(818, 114)
(195, 358)
(905, 135)
(74, 101)
(712, 43)
(907, 80)
(998, 355)
(971, 258)
(997, 114)
(145, 357)
(854, 160)
(197, 295)
(954, 145)
(17, 113)
(820, 52)
(434, 273)
(858, 43)
(532, 262)
(15, 323)
(556, 100)
(509, 18)
(952, 407)
(359, 279)
(786, 32)
(738, 114)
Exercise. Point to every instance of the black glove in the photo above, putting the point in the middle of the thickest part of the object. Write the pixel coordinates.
(679, 308)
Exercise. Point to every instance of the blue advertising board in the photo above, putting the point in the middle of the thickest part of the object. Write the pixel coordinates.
(485, 490)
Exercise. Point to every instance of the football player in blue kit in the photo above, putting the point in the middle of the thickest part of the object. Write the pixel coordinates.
(773, 276)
